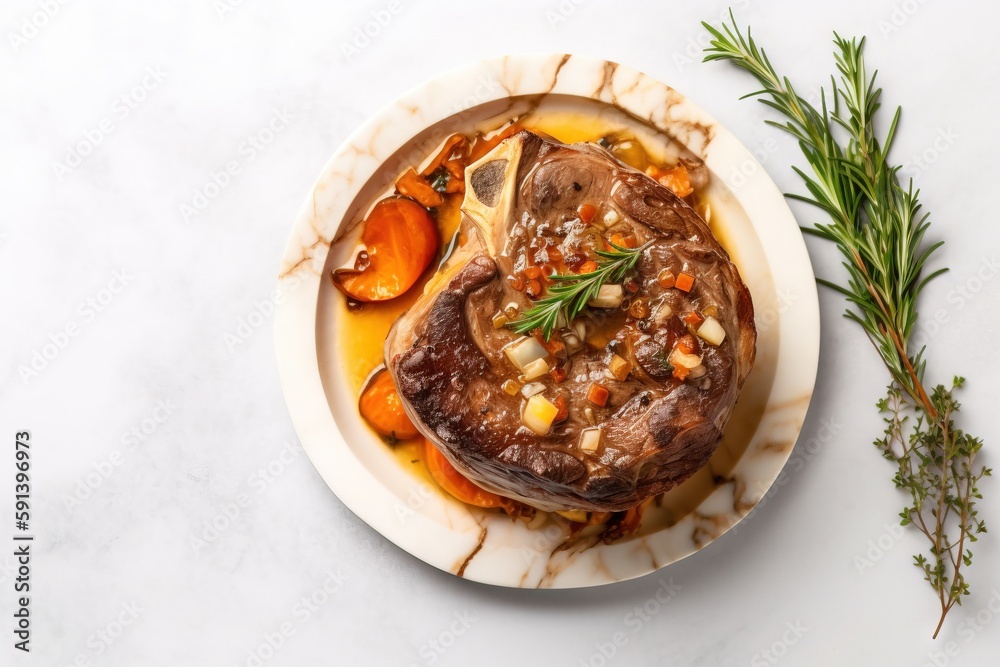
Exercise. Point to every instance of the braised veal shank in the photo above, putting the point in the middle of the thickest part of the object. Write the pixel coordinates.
(447, 356)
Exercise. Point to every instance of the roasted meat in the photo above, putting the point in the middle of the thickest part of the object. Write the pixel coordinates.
(539, 203)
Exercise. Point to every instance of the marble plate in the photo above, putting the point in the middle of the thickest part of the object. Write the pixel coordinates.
(749, 215)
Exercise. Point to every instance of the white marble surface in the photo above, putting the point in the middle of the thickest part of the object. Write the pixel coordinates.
(183, 422)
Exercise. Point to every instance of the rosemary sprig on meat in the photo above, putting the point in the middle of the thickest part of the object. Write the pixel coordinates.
(569, 295)
(877, 225)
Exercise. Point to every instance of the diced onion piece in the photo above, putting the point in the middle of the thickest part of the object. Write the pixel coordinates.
(524, 350)
(535, 369)
(532, 388)
(576, 516)
(609, 296)
(572, 341)
(499, 320)
(678, 358)
(697, 371)
(510, 387)
(539, 413)
(590, 439)
(619, 368)
(711, 331)
(511, 309)
(588, 412)
(611, 217)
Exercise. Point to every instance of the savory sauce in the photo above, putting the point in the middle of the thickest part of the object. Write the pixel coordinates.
(363, 328)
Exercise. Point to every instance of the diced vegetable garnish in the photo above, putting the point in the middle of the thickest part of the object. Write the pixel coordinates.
(683, 362)
(532, 273)
(587, 212)
(533, 288)
(535, 369)
(524, 350)
(632, 286)
(531, 389)
(590, 439)
(693, 318)
(608, 296)
(588, 267)
(685, 282)
(455, 483)
(588, 412)
(558, 375)
(611, 217)
(666, 278)
(563, 408)
(619, 367)
(499, 320)
(687, 344)
(400, 240)
(410, 184)
(510, 387)
(539, 413)
(382, 407)
(598, 395)
(712, 331)
(639, 309)
(623, 241)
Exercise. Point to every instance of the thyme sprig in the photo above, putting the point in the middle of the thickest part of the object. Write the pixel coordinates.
(569, 294)
(877, 225)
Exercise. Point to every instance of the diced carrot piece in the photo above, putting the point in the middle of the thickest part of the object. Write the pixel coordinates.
(532, 273)
(632, 286)
(587, 212)
(588, 267)
(560, 403)
(400, 239)
(693, 318)
(547, 270)
(534, 288)
(517, 281)
(556, 347)
(410, 184)
(598, 395)
(623, 241)
(666, 279)
(382, 407)
(685, 282)
(558, 375)
(687, 344)
(681, 372)
(456, 144)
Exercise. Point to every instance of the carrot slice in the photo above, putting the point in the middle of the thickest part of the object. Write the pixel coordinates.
(455, 483)
(400, 239)
(587, 212)
(676, 180)
(483, 146)
(382, 407)
(588, 267)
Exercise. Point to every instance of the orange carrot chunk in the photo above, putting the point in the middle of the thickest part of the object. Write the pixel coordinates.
(382, 407)
(587, 212)
(410, 184)
(597, 395)
(455, 483)
(685, 282)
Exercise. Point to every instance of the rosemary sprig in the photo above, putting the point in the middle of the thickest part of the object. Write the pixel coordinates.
(570, 293)
(877, 225)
